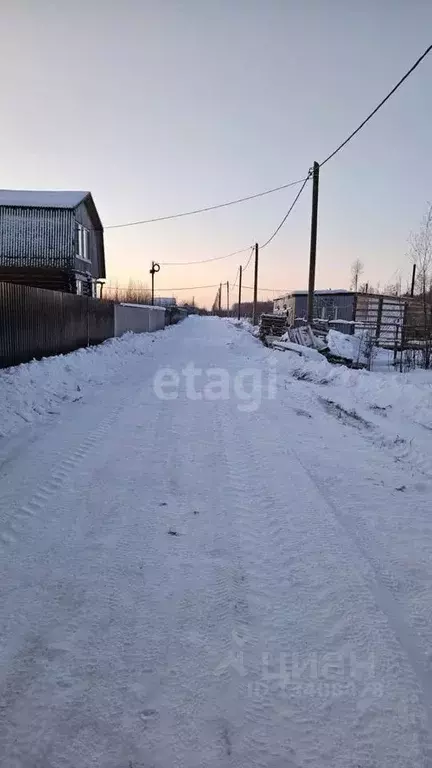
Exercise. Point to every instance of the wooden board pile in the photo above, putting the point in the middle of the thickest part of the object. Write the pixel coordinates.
(272, 325)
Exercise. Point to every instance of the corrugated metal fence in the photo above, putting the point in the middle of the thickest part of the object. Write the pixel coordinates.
(35, 323)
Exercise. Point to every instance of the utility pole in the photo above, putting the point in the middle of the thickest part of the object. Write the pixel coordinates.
(313, 242)
(155, 267)
(220, 298)
(240, 287)
(254, 313)
(228, 302)
(413, 279)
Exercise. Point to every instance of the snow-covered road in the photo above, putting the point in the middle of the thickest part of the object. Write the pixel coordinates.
(235, 574)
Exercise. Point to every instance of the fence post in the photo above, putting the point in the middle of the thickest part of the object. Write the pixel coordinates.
(413, 279)
(379, 319)
(88, 322)
(396, 344)
(403, 330)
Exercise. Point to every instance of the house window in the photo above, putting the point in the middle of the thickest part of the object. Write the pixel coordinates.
(82, 243)
(79, 287)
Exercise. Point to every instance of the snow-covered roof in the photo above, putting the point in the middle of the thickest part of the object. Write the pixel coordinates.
(142, 306)
(322, 293)
(327, 292)
(29, 198)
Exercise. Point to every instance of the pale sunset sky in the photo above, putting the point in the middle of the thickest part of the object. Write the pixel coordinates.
(161, 106)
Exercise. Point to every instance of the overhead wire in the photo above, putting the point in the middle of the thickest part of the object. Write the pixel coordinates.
(287, 213)
(202, 261)
(206, 209)
(303, 183)
(345, 142)
(190, 288)
(249, 260)
(270, 290)
(158, 290)
(389, 95)
(236, 278)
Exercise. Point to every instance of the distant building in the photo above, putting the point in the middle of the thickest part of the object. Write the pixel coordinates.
(389, 320)
(51, 240)
(328, 305)
(163, 301)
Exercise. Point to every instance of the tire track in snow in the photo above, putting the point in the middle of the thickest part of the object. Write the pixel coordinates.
(332, 604)
(413, 450)
(261, 544)
(200, 602)
(43, 493)
(380, 585)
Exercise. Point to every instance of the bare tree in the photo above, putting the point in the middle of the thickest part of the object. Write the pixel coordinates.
(365, 288)
(356, 270)
(394, 289)
(135, 293)
(420, 253)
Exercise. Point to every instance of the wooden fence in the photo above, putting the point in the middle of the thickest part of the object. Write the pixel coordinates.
(393, 321)
(35, 323)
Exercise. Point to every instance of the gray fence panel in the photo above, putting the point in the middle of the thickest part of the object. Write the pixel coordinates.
(36, 323)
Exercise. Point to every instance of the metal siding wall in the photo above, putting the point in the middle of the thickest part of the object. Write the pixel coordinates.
(36, 237)
(139, 319)
(35, 323)
(418, 319)
(343, 303)
(300, 306)
(82, 217)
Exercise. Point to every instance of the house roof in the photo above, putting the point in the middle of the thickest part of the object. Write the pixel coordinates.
(327, 292)
(29, 198)
(330, 291)
(66, 199)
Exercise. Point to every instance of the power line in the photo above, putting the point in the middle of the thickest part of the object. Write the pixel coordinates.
(288, 212)
(191, 288)
(252, 248)
(208, 208)
(235, 281)
(271, 290)
(249, 260)
(303, 182)
(201, 261)
(158, 290)
(393, 90)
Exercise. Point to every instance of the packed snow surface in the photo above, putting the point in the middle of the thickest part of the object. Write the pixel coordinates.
(214, 554)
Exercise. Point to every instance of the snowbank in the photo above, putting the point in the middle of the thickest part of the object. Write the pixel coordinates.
(245, 325)
(33, 390)
(355, 348)
(300, 349)
(345, 346)
(407, 394)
